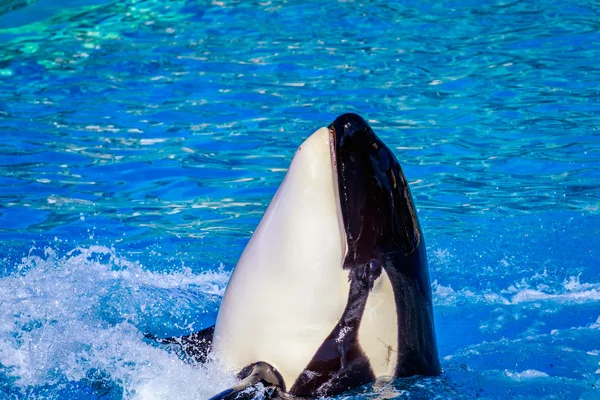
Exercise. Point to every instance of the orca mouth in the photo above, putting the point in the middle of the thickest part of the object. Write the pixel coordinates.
(374, 199)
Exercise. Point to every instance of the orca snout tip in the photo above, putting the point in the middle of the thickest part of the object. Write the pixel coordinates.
(348, 124)
(350, 121)
(351, 118)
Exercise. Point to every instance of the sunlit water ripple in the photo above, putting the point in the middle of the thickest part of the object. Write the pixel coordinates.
(143, 140)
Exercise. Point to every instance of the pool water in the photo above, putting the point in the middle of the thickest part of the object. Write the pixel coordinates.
(141, 141)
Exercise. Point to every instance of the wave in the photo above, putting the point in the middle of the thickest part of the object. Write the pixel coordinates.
(82, 318)
(78, 320)
(570, 291)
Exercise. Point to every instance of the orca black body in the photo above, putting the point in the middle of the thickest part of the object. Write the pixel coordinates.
(381, 224)
(377, 299)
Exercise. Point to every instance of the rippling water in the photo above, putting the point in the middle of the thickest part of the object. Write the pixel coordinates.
(143, 140)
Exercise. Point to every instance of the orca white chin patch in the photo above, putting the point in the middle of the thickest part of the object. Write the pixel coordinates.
(378, 332)
(289, 290)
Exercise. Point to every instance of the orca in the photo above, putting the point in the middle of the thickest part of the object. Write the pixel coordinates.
(332, 290)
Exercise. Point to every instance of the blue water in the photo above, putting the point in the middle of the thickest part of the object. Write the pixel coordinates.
(143, 140)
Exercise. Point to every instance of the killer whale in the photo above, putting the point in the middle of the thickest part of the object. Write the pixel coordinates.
(332, 290)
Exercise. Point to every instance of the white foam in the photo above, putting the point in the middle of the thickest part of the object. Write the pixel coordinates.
(526, 375)
(67, 318)
(572, 291)
(150, 142)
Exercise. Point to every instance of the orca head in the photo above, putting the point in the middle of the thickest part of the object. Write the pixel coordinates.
(342, 211)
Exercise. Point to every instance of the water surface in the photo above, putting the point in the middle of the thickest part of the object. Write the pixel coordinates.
(143, 140)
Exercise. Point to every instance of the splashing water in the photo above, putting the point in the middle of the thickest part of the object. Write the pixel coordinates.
(79, 320)
(73, 326)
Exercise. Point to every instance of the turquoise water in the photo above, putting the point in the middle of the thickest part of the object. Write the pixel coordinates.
(143, 140)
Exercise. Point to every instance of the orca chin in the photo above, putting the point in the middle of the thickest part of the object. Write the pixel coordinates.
(332, 290)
